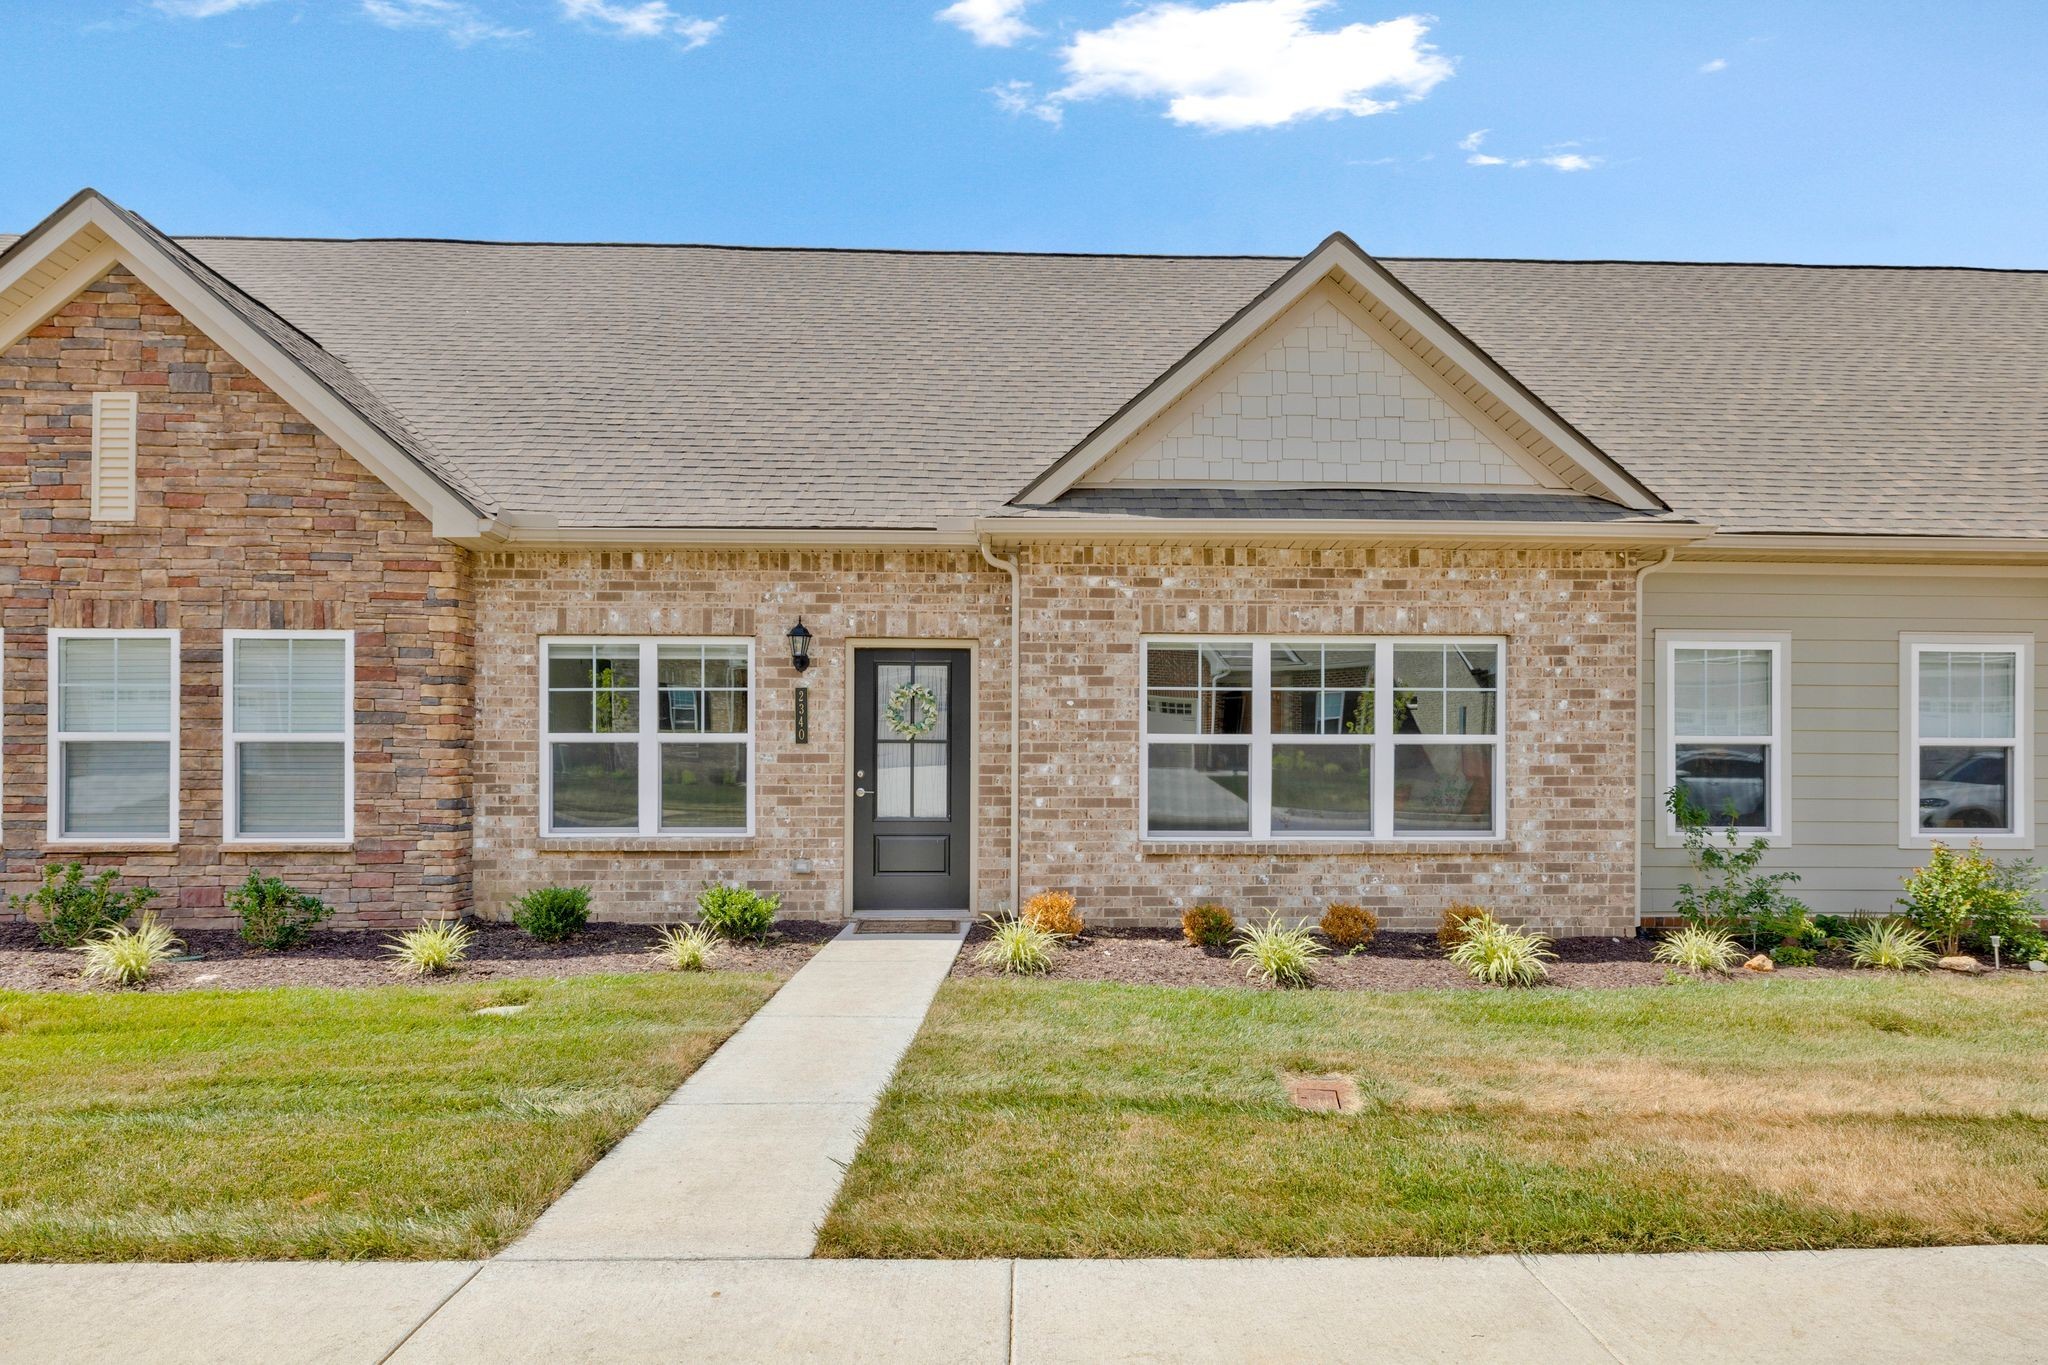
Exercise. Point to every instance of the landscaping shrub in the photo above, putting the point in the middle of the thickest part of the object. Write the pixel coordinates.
(68, 909)
(1890, 945)
(1457, 922)
(274, 914)
(1053, 911)
(1792, 955)
(1349, 926)
(1207, 926)
(685, 948)
(1503, 956)
(2014, 918)
(1277, 954)
(736, 912)
(436, 946)
(1698, 948)
(1951, 891)
(126, 957)
(552, 913)
(1730, 890)
(1019, 947)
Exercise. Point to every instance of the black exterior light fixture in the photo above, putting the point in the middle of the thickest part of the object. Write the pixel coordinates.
(799, 646)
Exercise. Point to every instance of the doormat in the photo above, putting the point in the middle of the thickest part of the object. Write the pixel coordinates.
(1324, 1094)
(906, 926)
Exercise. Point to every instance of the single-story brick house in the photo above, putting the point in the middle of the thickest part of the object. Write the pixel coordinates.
(424, 572)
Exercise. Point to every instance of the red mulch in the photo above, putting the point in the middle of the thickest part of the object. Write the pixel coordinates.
(348, 957)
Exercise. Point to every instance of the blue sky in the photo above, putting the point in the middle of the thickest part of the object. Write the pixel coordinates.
(1876, 132)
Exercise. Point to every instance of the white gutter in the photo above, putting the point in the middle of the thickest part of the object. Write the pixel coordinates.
(1009, 566)
(1636, 836)
(1249, 530)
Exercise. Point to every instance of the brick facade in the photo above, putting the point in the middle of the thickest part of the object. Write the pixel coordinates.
(248, 518)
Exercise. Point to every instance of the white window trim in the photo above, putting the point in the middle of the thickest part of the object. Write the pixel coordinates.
(56, 739)
(1261, 740)
(1779, 645)
(649, 737)
(231, 796)
(2021, 835)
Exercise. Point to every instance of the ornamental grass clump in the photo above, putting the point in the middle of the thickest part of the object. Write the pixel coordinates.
(1017, 947)
(127, 957)
(1207, 926)
(1890, 945)
(736, 912)
(1349, 926)
(552, 913)
(685, 948)
(435, 947)
(1053, 911)
(1699, 948)
(1500, 955)
(1277, 954)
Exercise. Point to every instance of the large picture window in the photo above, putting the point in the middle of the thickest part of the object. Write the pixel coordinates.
(1329, 738)
(647, 737)
(1965, 739)
(290, 718)
(114, 735)
(1721, 720)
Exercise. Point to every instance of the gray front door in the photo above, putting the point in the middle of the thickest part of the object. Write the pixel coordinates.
(912, 716)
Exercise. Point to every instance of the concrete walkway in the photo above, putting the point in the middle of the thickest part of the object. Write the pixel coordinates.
(745, 1159)
(1985, 1305)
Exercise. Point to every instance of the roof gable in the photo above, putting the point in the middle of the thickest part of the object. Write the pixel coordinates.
(1364, 317)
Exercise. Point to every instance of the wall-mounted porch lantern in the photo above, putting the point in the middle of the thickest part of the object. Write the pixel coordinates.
(799, 646)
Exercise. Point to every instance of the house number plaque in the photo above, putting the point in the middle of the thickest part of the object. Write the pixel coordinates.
(803, 715)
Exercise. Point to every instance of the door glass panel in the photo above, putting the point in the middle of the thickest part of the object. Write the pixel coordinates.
(892, 779)
(913, 722)
(928, 780)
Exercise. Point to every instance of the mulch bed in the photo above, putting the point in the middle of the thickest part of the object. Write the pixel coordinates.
(1392, 962)
(350, 957)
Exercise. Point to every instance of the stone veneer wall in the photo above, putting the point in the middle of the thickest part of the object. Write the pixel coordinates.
(248, 518)
(800, 790)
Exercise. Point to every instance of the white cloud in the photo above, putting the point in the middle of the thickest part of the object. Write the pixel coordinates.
(459, 21)
(992, 23)
(1559, 159)
(202, 9)
(1252, 63)
(1709, 68)
(1482, 159)
(1568, 161)
(644, 19)
(1470, 142)
(1021, 97)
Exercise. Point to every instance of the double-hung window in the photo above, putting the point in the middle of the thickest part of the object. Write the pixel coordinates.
(647, 737)
(1322, 738)
(1965, 739)
(1722, 717)
(290, 722)
(114, 736)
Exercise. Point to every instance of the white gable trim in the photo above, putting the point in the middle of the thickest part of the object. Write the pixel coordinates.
(1336, 256)
(90, 236)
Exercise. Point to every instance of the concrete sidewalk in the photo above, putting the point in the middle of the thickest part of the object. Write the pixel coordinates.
(1977, 1304)
(745, 1159)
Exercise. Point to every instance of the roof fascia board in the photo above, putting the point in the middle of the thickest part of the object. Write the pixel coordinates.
(505, 534)
(1244, 530)
(1811, 545)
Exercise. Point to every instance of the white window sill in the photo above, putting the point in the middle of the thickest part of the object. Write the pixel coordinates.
(644, 843)
(1312, 848)
(111, 844)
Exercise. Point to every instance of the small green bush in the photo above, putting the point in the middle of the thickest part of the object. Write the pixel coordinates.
(1277, 954)
(1792, 955)
(736, 912)
(68, 909)
(126, 957)
(552, 913)
(436, 946)
(685, 948)
(1207, 926)
(1890, 945)
(1018, 947)
(275, 915)
(1698, 948)
(2014, 916)
(1503, 956)
(1952, 891)
(1730, 890)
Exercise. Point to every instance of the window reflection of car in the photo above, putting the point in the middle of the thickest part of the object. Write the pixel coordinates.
(1721, 780)
(1968, 794)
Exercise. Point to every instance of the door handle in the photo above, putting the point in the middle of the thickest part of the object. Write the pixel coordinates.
(860, 791)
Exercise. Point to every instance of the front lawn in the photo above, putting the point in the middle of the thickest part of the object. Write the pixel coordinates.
(1053, 1119)
(393, 1122)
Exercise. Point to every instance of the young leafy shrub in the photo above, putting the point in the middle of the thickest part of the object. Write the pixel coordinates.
(1278, 955)
(1053, 911)
(1792, 955)
(1890, 945)
(1018, 947)
(736, 912)
(126, 957)
(2014, 918)
(552, 913)
(1503, 956)
(1729, 889)
(1698, 948)
(1349, 926)
(435, 947)
(685, 948)
(68, 909)
(1458, 921)
(274, 914)
(1953, 890)
(1207, 926)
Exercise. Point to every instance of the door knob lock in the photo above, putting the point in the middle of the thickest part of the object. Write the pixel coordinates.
(860, 791)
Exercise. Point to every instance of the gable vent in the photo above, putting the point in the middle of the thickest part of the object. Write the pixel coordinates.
(113, 456)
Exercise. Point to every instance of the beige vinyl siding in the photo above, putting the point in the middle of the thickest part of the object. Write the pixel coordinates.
(1843, 746)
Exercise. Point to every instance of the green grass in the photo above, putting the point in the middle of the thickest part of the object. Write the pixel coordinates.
(394, 1122)
(1065, 1119)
